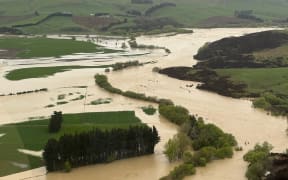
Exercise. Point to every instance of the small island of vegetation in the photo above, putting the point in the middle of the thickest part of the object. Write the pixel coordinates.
(208, 141)
(40, 72)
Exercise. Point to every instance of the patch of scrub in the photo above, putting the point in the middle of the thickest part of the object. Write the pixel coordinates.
(31, 153)
(62, 102)
(50, 106)
(80, 87)
(61, 96)
(149, 110)
(78, 98)
(101, 101)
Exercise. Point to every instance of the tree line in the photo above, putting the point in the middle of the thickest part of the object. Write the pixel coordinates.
(49, 16)
(122, 65)
(141, 1)
(158, 6)
(99, 146)
(102, 81)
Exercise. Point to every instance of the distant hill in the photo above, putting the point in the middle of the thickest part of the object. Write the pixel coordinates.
(189, 13)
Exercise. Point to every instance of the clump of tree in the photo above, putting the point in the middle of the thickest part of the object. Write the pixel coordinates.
(277, 104)
(149, 24)
(134, 12)
(258, 160)
(175, 114)
(10, 30)
(141, 1)
(180, 172)
(159, 6)
(122, 65)
(204, 135)
(61, 96)
(247, 14)
(102, 81)
(175, 147)
(55, 122)
(123, 46)
(133, 44)
(149, 110)
(156, 69)
(62, 102)
(98, 146)
(168, 51)
(101, 101)
(207, 140)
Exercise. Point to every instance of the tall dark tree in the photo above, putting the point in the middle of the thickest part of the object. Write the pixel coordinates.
(51, 155)
(55, 122)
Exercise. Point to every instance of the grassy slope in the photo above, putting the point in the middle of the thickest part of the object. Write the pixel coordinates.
(45, 47)
(188, 12)
(259, 80)
(263, 79)
(34, 134)
(281, 51)
(192, 11)
(38, 72)
(55, 25)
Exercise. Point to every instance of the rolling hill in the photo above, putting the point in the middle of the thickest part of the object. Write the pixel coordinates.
(122, 15)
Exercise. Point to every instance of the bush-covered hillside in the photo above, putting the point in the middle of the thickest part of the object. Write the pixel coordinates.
(246, 51)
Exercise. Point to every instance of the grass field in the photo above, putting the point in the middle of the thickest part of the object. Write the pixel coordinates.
(39, 72)
(260, 79)
(281, 51)
(33, 135)
(56, 25)
(45, 47)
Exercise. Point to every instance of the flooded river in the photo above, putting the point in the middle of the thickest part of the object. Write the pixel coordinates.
(232, 115)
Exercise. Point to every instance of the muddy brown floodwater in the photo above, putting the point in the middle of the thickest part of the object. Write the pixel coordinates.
(235, 116)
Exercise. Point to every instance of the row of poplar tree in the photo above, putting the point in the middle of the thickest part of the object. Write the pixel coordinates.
(99, 146)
